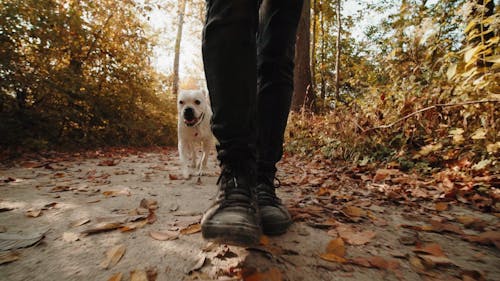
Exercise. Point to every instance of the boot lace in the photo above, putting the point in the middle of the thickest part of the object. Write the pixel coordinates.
(233, 192)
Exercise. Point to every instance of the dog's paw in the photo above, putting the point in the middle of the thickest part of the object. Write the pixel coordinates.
(185, 174)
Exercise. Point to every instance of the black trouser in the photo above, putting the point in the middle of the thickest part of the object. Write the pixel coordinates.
(248, 53)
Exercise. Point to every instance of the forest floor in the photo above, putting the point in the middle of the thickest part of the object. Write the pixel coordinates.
(127, 215)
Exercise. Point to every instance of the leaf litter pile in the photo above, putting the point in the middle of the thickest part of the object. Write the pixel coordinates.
(126, 214)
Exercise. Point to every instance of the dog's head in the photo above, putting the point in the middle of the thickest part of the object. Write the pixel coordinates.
(192, 106)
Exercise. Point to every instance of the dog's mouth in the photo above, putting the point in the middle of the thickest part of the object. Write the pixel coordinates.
(194, 120)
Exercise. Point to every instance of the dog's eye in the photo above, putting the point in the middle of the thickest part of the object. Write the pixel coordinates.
(181, 102)
(197, 102)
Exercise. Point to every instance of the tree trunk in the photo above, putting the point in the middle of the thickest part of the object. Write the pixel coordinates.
(337, 55)
(302, 94)
(322, 67)
(313, 45)
(178, 39)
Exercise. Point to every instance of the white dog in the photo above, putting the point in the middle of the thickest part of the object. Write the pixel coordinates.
(193, 130)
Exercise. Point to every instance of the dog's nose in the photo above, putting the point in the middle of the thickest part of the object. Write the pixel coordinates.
(189, 114)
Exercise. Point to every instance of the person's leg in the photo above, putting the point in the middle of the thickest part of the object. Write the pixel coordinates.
(278, 20)
(229, 56)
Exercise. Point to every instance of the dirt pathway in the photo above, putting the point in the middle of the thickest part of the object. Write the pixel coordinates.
(60, 217)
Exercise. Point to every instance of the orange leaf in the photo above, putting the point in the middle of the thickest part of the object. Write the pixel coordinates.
(191, 229)
(441, 206)
(336, 247)
(432, 249)
(332, 257)
(116, 277)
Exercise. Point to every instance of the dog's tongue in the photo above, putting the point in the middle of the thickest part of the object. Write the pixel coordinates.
(191, 122)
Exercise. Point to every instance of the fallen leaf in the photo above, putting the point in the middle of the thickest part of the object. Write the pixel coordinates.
(433, 249)
(8, 256)
(80, 222)
(264, 240)
(353, 237)
(113, 193)
(60, 188)
(101, 227)
(354, 213)
(164, 235)
(108, 162)
(138, 275)
(197, 265)
(441, 206)
(70, 236)
(113, 256)
(116, 277)
(336, 246)
(33, 213)
(133, 225)
(332, 257)
(149, 204)
(431, 261)
(151, 218)
(173, 177)
(10, 241)
(376, 262)
(151, 273)
(472, 222)
(487, 238)
(225, 253)
(382, 174)
(417, 264)
(49, 206)
(191, 229)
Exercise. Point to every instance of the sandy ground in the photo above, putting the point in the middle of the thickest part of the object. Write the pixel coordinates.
(85, 192)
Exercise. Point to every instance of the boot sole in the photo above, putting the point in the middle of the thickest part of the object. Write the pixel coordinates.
(232, 234)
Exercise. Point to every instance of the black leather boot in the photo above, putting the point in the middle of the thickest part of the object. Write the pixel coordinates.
(274, 217)
(233, 219)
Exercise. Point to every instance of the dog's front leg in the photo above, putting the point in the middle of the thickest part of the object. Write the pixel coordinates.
(184, 156)
(204, 157)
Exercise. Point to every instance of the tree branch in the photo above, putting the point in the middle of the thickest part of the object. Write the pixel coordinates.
(429, 108)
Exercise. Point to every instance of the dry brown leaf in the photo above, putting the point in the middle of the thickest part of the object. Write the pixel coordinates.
(60, 188)
(101, 227)
(197, 265)
(433, 249)
(382, 174)
(441, 206)
(164, 235)
(138, 275)
(151, 218)
(191, 229)
(264, 240)
(353, 237)
(149, 204)
(353, 211)
(377, 262)
(173, 177)
(472, 222)
(133, 225)
(151, 273)
(33, 213)
(8, 256)
(416, 263)
(113, 193)
(116, 277)
(109, 162)
(113, 256)
(80, 222)
(431, 261)
(487, 238)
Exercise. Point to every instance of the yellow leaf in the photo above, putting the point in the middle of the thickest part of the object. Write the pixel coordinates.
(494, 59)
(479, 134)
(471, 24)
(452, 70)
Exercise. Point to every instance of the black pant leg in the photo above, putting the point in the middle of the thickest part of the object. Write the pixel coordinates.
(278, 20)
(229, 56)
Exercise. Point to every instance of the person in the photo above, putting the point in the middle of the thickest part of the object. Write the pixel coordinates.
(248, 54)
